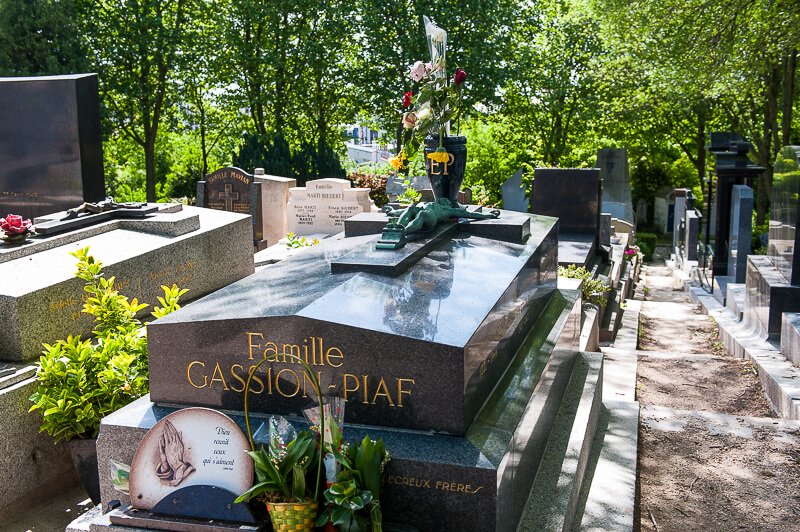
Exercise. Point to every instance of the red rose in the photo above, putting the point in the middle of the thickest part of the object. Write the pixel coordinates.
(459, 76)
(407, 99)
(13, 224)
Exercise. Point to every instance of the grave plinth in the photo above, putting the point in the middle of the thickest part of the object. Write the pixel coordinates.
(51, 153)
(41, 299)
(451, 362)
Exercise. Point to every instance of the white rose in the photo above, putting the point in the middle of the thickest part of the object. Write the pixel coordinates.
(418, 71)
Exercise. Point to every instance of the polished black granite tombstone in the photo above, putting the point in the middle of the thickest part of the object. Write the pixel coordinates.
(421, 350)
(51, 153)
(784, 239)
(574, 196)
(773, 281)
(732, 167)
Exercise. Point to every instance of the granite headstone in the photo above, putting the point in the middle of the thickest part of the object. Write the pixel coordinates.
(615, 176)
(515, 196)
(232, 189)
(741, 233)
(322, 206)
(274, 201)
(51, 153)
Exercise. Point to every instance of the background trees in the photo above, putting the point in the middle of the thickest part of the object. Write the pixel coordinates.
(188, 86)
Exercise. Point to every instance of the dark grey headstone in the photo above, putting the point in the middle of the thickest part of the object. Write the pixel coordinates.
(514, 193)
(51, 154)
(784, 239)
(234, 190)
(741, 233)
(615, 175)
(572, 195)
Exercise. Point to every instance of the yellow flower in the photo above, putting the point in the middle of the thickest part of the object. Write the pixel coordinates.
(395, 161)
(439, 156)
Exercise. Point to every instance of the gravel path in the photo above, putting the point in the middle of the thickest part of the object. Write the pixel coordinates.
(711, 456)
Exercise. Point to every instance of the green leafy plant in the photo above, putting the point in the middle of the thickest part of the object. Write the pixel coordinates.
(282, 477)
(647, 244)
(355, 501)
(592, 290)
(82, 381)
(294, 242)
(409, 196)
(281, 471)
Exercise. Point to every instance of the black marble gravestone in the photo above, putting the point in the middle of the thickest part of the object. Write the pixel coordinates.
(574, 196)
(773, 281)
(234, 190)
(732, 167)
(51, 154)
(441, 361)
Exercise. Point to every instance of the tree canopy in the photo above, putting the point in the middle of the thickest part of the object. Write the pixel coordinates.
(189, 85)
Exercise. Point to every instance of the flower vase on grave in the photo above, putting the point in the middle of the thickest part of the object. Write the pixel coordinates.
(446, 170)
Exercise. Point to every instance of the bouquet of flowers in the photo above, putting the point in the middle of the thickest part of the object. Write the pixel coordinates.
(434, 101)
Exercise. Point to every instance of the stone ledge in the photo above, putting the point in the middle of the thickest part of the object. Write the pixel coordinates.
(779, 378)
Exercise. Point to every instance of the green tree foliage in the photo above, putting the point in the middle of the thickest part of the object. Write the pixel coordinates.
(137, 45)
(41, 37)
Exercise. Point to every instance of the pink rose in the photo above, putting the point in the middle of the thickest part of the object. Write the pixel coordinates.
(409, 120)
(418, 72)
(13, 224)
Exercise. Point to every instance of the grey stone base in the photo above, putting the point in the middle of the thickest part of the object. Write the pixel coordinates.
(40, 298)
(768, 296)
(790, 337)
(32, 468)
(480, 481)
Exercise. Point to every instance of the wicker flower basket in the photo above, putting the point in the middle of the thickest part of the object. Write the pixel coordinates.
(292, 516)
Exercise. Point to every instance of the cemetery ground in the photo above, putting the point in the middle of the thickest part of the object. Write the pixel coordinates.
(712, 454)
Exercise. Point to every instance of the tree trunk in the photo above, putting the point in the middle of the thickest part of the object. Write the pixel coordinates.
(150, 168)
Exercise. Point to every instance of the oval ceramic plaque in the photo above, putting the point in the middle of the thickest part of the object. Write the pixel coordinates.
(190, 447)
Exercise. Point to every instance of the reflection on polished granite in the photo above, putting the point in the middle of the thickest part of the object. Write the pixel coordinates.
(446, 327)
(784, 213)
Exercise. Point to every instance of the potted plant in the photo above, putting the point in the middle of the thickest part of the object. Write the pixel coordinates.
(82, 381)
(282, 467)
(354, 499)
(428, 110)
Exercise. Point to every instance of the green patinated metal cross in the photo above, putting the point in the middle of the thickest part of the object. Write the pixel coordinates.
(403, 222)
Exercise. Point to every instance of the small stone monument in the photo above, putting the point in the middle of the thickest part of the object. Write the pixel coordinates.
(274, 199)
(322, 206)
(234, 190)
(190, 465)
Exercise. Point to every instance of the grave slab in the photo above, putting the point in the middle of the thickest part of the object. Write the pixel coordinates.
(790, 337)
(41, 297)
(768, 296)
(433, 332)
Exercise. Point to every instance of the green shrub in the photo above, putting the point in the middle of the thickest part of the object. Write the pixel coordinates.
(82, 381)
(592, 290)
(647, 244)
